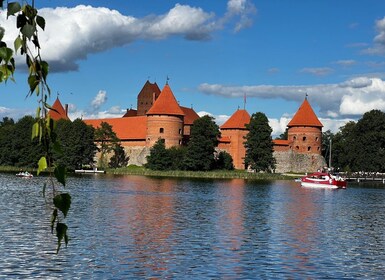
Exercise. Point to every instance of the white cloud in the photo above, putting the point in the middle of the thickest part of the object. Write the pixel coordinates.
(72, 34)
(352, 97)
(378, 47)
(321, 71)
(346, 62)
(99, 100)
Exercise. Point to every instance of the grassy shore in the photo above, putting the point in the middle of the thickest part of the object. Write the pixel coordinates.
(217, 174)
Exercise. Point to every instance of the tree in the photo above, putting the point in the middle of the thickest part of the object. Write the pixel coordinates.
(201, 147)
(368, 147)
(259, 144)
(107, 140)
(77, 144)
(119, 158)
(159, 158)
(342, 155)
(283, 136)
(224, 161)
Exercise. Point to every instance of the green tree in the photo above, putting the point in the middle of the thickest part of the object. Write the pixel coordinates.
(107, 140)
(368, 147)
(119, 158)
(224, 161)
(159, 158)
(342, 154)
(327, 136)
(284, 135)
(77, 144)
(201, 147)
(259, 144)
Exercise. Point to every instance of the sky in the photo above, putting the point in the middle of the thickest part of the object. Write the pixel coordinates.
(215, 55)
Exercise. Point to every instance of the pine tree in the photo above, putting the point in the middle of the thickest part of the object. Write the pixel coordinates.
(259, 144)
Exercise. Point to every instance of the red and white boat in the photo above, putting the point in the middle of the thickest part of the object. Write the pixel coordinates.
(323, 180)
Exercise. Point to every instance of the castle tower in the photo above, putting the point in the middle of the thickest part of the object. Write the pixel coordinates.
(233, 132)
(146, 97)
(165, 120)
(305, 131)
(57, 111)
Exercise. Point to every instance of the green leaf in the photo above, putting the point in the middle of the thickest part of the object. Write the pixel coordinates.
(33, 82)
(40, 21)
(62, 202)
(38, 111)
(13, 8)
(42, 165)
(28, 30)
(17, 43)
(35, 130)
(53, 219)
(61, 232)
(60, 174)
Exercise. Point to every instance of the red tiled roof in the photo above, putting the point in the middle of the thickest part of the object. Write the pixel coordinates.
(130, 113)
(189, 115)
(58, 112)
(237, 121)
(280, 142)
(305, 116)
(166, 104)
(133, 128)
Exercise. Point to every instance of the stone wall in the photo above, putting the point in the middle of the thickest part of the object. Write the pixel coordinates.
(291, 161)
(137, 155)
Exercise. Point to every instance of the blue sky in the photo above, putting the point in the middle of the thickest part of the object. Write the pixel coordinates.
(214, 52)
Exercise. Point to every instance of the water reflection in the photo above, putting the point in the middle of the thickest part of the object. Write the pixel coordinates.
(136, 227)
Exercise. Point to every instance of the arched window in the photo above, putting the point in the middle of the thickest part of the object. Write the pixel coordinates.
(309, 149)
(304, 138)
(297, 147)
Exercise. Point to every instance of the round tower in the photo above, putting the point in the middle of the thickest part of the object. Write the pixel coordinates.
(165, 120)
(305, 131)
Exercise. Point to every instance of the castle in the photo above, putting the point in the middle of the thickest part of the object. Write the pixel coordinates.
(158, 115)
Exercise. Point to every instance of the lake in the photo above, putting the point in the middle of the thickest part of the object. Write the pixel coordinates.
(133, 227)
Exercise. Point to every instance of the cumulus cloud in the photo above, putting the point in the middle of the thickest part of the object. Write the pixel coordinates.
(72, 34)
(378, 47)
(99, 100)
(15, 113)
(351, 97)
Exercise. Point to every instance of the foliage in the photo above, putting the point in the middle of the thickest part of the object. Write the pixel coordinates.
(119, 158)
(224, 161)
(77, 144)
(27, 42)
(203, 140)
(159, 158)
(259, 144)
(107, 140)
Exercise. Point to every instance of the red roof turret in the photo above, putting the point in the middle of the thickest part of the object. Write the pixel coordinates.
(305, 116)
(57, 111)
(237, 121)
(166, 104)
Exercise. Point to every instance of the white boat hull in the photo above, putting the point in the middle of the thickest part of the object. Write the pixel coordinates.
(318, 185)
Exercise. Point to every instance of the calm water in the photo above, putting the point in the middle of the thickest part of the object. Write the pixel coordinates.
(131, 227)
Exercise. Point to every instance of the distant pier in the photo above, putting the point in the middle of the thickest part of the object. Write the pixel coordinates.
(366, 177)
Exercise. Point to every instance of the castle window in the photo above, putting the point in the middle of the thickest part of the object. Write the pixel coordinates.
(297, 147)
(180, 131)
(294, 138)
(309, 149)
(180, 142)
(316, 139)
(317, 148)
(161, 130)
(304, 138)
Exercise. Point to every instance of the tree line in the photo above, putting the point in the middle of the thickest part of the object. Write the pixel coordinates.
(358, 146)
(77, 144)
